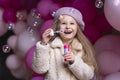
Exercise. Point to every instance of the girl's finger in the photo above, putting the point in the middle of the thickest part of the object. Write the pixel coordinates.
(68, 55)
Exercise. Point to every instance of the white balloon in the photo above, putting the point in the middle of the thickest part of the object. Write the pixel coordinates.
(25, 41)
(12, 41)
(13, 62)
(112, 13)
(20, 27)
(20, 73)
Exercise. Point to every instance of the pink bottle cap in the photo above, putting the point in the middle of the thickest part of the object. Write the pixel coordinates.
(66, 48)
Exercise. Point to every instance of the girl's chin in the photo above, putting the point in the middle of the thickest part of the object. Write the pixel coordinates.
(69, 38)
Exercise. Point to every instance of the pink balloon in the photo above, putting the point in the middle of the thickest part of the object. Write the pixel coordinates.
(28, 60)
(3, 28)
(12, 41)
(43, 7)
(37, 78)
(46, 25)
(108, 62)
(13, 62)
(101, 77)
(25, 41)
(92, 32)
(113, 76)
(102, 24)
(20, 27)
(112, 13)
(87, 8)
(107, 42)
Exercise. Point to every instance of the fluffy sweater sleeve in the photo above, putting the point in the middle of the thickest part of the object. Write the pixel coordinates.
(40, 62)
(81, 70)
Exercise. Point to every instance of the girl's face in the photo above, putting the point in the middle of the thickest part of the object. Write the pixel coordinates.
(69, 26)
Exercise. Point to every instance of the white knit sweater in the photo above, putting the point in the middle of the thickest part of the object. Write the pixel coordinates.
(48, 60)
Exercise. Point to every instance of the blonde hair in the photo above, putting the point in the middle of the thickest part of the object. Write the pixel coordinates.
(89, 56)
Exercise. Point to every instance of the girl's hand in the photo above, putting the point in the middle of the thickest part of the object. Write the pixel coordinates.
(46, 36)
(69, 57)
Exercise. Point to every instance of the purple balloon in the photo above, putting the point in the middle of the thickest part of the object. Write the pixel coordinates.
(87, 8)
(9, 15)
(28, 60)
(5, 3)
(37, 78)
(92, 32)
(46, 25)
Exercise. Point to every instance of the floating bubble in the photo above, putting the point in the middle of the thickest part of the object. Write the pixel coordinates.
(10, 26)
(34, 19)
(35, 13)
(6, 49)
(21, 15)
(98, 3)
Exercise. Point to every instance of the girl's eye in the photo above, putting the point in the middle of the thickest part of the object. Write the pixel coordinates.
(63, 23)
(71, 23)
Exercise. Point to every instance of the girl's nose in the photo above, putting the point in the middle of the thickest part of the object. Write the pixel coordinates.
(67, 26)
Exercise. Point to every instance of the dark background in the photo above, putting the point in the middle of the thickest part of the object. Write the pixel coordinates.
(4, 71)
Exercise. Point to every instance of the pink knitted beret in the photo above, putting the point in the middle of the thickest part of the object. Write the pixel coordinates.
(76, 14)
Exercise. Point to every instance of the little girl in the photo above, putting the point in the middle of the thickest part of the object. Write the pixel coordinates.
(49, 57)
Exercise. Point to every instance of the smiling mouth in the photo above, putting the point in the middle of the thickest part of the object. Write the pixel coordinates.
(67, 32)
